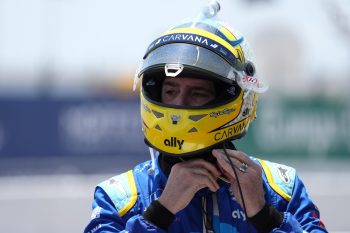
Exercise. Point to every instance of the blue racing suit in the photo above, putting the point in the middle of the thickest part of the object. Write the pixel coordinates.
(120, 201)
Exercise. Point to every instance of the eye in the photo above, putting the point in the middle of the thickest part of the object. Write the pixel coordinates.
(169, 92)
(201, 94)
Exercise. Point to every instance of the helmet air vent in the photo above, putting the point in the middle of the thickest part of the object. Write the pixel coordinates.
(158, 114)
(158, 127)
(193, 130)
(197, 117)
(173, 70)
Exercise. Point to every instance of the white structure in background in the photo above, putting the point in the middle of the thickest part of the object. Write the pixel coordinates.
(51, 43)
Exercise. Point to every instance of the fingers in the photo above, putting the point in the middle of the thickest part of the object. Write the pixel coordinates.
(201, 173)
(185, 180)
(225, 166)
(237, 158)
(206, 179)
(245, 173)
(207, 171)
(204, 164)
(250, 180)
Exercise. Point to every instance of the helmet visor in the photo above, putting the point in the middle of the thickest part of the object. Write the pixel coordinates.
(193, 57)
(196, 58)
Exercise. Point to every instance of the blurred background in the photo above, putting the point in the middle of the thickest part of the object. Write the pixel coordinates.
(69, 118)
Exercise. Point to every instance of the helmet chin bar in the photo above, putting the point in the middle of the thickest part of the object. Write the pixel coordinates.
(199, 153)
(173, 70)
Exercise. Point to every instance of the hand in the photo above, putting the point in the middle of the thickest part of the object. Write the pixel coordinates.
(185, 180)
(250, 180)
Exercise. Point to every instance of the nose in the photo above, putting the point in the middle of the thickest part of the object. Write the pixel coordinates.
(181, 99)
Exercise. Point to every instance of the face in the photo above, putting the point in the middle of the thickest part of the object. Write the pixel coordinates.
(187, 91)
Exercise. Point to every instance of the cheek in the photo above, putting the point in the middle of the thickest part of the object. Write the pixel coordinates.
(172, 98)
(200, 101)
(211, 98)
(165, 98)
(162, 97)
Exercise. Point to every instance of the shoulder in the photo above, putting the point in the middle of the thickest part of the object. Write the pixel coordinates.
(281, 178)
(122, 189)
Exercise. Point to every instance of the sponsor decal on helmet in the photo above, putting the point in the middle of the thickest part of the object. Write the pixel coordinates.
(180, 37)
(230, 131)
(174, 142)
(249, 79)
(220, 113)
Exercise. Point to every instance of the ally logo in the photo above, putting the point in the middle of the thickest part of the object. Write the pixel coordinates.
(174, 142)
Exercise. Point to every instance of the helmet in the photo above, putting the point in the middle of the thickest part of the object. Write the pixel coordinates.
(201, 48)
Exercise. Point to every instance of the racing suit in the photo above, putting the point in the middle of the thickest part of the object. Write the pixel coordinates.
(120, 201)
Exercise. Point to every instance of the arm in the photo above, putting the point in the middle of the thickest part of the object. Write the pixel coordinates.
(300, 215)
(118, 208)
(105, 218)
(184, 181)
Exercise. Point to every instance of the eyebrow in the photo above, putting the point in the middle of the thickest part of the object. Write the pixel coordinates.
(197, 88)
(170, 83)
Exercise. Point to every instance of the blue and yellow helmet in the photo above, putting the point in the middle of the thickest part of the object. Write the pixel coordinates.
(203, 48)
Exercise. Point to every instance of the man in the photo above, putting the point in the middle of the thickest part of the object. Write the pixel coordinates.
(199, 93)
